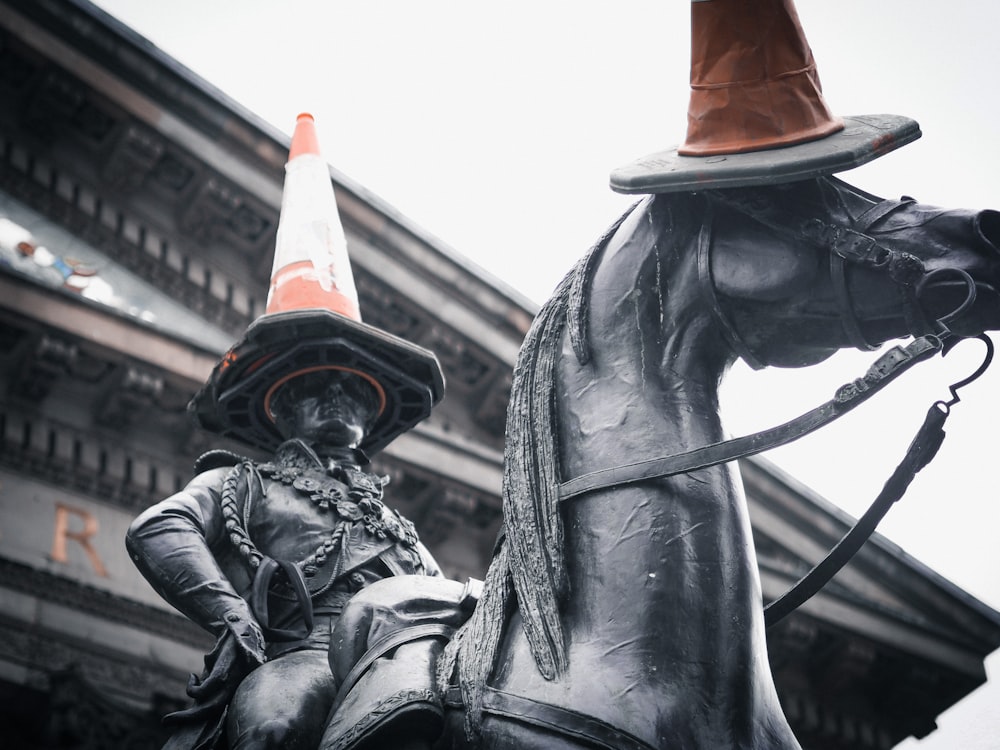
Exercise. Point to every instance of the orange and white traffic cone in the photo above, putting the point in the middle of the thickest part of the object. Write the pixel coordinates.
(311, 265)
(312, 323)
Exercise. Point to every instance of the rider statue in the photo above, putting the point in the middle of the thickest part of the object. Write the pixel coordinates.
(264, 555)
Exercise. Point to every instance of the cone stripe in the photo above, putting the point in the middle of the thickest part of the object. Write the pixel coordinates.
(312, 323)
(304, 139)
(301, 285)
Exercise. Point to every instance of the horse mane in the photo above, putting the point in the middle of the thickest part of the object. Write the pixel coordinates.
(528, 571)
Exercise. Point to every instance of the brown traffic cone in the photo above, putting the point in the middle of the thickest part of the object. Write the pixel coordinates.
(757, 115)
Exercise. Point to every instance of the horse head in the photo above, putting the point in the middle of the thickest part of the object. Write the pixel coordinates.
(800, 270)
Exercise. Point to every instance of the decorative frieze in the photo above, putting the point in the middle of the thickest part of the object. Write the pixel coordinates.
(133, 155)
(382, 308)
(491, 411)
(52, 103)
(81, 459)
(46, 653)
(818, 724)
(172, 172)
(461, 362)
(129, 397)
(130, 241)
(16, 71)
(444, 514)
(81, 716)
(79, 597)
(204, 214)
(41, 368)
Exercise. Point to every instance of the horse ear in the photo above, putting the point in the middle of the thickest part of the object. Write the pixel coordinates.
(751, 263)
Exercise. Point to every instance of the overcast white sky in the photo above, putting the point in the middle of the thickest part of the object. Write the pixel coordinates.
(494, 126)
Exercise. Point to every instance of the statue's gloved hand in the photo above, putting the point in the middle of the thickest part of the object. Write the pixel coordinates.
(247, 635)
(239, 650)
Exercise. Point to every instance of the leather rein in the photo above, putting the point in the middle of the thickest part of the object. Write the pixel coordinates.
(846, 245)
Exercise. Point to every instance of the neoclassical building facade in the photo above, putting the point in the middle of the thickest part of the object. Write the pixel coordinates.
(138, 209)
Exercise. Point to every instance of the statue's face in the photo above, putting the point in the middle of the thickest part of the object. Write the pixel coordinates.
(329, 408)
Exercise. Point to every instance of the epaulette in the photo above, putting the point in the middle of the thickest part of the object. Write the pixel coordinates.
(215, 458)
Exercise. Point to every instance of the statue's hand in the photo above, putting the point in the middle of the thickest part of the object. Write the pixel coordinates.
(247, 636)
(237, 653)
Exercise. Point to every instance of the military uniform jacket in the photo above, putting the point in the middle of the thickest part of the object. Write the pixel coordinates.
(202, 548)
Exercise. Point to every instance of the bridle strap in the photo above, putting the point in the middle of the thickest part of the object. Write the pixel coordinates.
(923, 448)
(902, 273)
(706, 285)
(838, 275)
(848, 317)
(848, 242)
(887, 368)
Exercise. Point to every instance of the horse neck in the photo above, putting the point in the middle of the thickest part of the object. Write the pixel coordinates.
(650, 388)
(625, 415)
(650, 385)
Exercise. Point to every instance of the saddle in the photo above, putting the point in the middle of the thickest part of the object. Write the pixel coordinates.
(383, 653)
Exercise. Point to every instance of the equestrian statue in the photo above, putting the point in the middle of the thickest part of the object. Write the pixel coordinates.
(623, 608)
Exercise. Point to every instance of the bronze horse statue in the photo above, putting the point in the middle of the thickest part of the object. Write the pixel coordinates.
(629, 615)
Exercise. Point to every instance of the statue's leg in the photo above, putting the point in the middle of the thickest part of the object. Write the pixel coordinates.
(384, 651)
(283, 704)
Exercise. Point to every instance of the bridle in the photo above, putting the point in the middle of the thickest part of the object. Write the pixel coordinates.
(847, 246)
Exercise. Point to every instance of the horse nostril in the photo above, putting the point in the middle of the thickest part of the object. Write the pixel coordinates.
(988, 226)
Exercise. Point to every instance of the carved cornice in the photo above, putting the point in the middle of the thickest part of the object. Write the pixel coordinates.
(122, 472)
(168, 216)
(840, 689)
(214, 208)
(77, 596)
(131, 242)
(52, 660)
(383, 309)
(491, 412)
(112, 457)
(79, 459)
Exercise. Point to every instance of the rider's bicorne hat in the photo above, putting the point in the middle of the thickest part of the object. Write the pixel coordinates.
(312, 323)
(757, 114)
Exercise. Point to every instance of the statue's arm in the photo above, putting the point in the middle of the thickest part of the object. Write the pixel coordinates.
(171, 545)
